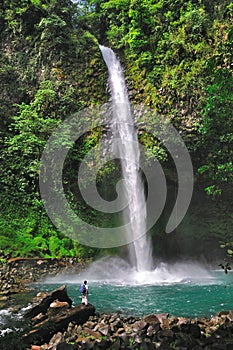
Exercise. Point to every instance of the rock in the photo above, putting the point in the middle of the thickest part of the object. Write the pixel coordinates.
(90, 332)
(125, 340)
(165, 323)
(56, 339)
(119, 331)
(152, 329)
(56, 307)
(173, 320)
(15, 273)
(59, 294)
(146, 346)
(230, 316)
(139, 325)
(117, 344)
(148, 333)
(152, 318)
(41, 332)
(192, 329)
(65, 346)
(89, 324)
(104, 330)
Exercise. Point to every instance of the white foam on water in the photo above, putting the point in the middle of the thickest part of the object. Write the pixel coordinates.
(5, 331)
(114, 270)
(6, 319)
(3, 314)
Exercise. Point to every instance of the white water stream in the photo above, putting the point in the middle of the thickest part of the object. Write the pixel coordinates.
(125, 139)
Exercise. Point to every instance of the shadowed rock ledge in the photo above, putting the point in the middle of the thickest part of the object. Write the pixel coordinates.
(51, 313)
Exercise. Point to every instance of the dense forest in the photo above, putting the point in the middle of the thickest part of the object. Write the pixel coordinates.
(178, 60)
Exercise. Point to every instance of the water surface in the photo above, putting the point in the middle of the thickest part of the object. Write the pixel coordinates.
(181, 289)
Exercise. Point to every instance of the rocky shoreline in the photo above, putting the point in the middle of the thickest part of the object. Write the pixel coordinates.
(17, 273)
(80, 327)
(112, 331)
(55, 325)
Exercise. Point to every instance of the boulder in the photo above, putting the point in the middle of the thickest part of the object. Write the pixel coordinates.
(152, 318)
(41, 306)
(139, 326)
(41, 332)
(53, 313)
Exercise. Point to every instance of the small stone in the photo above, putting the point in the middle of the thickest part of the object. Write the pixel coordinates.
(152, 329)
(161, 317)
(165, 323)
(104, 330)
(116, 344)
(152, 318)
(119, 331)
(90, 332)
(139, 326)
(230, 316)
(125, 339)
(89, 324)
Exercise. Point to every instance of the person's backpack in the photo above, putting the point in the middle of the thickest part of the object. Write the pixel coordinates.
(83, 289)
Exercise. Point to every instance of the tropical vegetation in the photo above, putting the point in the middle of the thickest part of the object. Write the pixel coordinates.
(178, 60)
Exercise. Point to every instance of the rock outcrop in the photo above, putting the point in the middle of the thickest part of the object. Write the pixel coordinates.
(43, 301)
(51, 313)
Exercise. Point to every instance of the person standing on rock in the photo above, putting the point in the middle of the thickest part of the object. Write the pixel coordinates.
(84, 292)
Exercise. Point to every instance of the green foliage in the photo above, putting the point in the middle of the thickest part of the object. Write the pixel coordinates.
(216, 129)
(28, 232)
(177, 57)
(23, 148)
(44, 80)
(154, 148)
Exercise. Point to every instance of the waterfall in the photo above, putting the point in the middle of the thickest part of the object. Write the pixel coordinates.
(123, 129)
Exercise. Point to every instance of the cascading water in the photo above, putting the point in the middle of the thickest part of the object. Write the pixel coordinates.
(124, 132)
